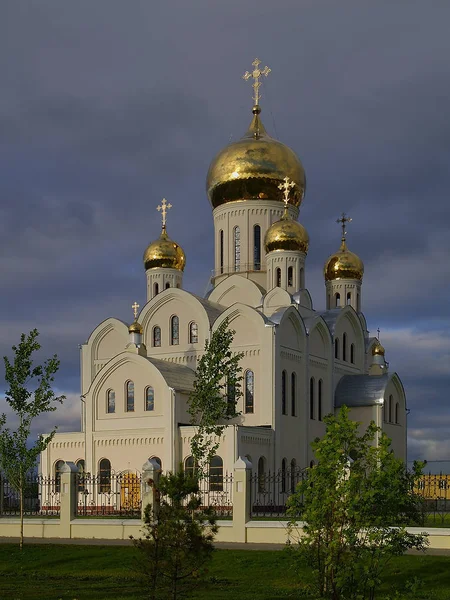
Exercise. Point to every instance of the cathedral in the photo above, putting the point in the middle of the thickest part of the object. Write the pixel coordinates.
(298, 364)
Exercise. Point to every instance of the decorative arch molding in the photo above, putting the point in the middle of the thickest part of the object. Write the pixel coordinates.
(320, 328)
(242, 310)
(303, 299)
(102, 330)
(348, 313)
(291, 317)
(397, 382)
(276, 298)
(236, 283)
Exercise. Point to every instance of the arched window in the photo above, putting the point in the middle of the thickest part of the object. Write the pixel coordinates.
(189, 466)
(58, 466)
(104, 471)
(174, 330)
(149, 398)
(221, 250)
(352, 354)
(167, 285)
(337, 300)
(156, 335)
(257, 248)
(193, 333)
(237, 248)
(391, 399)
(261, 475)
(397, 413)
(216, 474)
(336, 348)
(80, 465)
(283, 393)
(283, 475)
(311, 398)
(290, 276)
(130, 396)
(293, 395)
(344, 346)
(293, 475)
(81, 469)
(249, 391)
(158, 461)
(110, 401)
(155, 289)
(319, 399)
(278, 277)
(349, 297)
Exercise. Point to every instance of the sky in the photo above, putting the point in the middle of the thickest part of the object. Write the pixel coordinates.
(106, 107)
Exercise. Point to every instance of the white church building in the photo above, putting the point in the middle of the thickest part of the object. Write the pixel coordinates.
(298, 364)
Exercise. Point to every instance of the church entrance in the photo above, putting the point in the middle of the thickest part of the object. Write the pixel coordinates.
(130, 492)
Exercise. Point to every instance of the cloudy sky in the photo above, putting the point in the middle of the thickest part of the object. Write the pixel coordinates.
(107, 106)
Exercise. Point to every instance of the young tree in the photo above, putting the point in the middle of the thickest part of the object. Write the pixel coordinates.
(355, 504)
(29, 395)
(217, 389)
(178, 539)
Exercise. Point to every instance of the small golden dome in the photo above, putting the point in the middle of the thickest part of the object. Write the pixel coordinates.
(378, 349)
(286, 234)
(164, 253)
(253, 167)
(135, 327)
(343, 265)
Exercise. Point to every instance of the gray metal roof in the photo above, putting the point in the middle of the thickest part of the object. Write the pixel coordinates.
(177, 376)
(361, 390)
(330, 318)
(213, 310)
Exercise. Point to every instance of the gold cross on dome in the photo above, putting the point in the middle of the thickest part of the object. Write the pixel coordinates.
(343, 221)
(163, 208)
(135, 308)
(286, 187)
(256, 74)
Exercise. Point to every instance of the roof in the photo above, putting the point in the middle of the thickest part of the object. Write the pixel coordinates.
(212, 309)
(179, 377)
(330, 317)
(361, 390)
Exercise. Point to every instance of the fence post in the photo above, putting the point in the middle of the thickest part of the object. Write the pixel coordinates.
(151, 472)
(68, 492)
(241, 498)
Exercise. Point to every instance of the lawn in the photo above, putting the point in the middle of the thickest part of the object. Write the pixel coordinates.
(50, 572)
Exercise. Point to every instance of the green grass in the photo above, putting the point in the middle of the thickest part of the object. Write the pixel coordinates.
(52, 572)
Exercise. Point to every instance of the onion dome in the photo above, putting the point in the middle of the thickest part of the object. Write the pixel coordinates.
(286, 234)
(343, 265)
(164, 253)
(135, 327)
(378, 349)
(253, 167)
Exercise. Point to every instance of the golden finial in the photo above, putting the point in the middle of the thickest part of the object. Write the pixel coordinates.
(163, 208)
(135, 308)
(286, 188)
(343, 221)
(256, 74)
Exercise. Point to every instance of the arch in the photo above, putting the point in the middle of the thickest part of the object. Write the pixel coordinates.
(245, 320)
(293, 475)
(319, 399)
(80, 464)
(129, 391)
(293, 394)
(104, 471)
(232, 289)
(261, 474)
(249, 393)
(283, 393)
(108, 338)
(257, 247)
(174, 330)
(391, 400)
(397, 407)
(158, 461)
(337, 300)
(336, 348)
(167, 285)
(349, 298)
(290, 276)
(221, 251)
(189, 466)
(156, 336)
(344, 346)
(237, 248)
(110, 401)
(57, 470)
(311, 398)
(278, 277)
(283, 475)
(352, 353)
(320, 340)
(149, 398)
(193, 332)
(216, 474)
(155, 289)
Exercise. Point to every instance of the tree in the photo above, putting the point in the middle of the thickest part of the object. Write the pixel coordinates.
(217, 389)
(178, 538)
(29, 395)
(355, 504)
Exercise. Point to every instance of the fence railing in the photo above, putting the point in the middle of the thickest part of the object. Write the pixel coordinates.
(42, 497)
(270, 491)
(435, 490)
(109, 495)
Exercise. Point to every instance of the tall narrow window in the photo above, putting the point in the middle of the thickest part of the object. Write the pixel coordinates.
(290, 276)
(130, 396)
(293, 475)
(81, 469)
(221, 250)
(358, 303)
(155, 289)
(337, 299)
(249, 391)
(384, 411)
(261, 475)
(149, 398)
(193, 333)
(278, 277)
(283, 475)
(167, 285)
(189, 466)
(336, 348)
(397, 413)
(352, 354)
(283, 393)
(237, 248)
(311, 398)
(174, 330)
(104, 471)
(111, 401)
(158, 461)
(293, 395)
(257, 248)
(156, 336)
(390, 408)
(319, 399)
(349, 298)
(58, 466)
(344, 346)
(216, 474)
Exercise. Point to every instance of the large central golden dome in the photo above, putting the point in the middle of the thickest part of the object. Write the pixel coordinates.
(253, 167)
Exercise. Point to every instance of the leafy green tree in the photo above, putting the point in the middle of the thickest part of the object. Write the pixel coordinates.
(355, 504)
(217, 389)
(29, 395)
(178, 539)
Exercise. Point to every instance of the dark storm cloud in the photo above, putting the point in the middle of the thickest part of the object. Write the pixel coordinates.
(106, 108)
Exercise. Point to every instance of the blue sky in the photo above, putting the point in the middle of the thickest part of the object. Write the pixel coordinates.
(107, 106)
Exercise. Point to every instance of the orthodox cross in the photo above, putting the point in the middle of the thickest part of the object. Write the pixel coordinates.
(256, 74)
(286, 188)
(378, 331)
(135, 308)
(343, 221)
(163, 208)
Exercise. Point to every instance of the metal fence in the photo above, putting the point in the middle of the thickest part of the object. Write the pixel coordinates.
(435, 491)
(109, 495)
(270, 491)
(41, 497)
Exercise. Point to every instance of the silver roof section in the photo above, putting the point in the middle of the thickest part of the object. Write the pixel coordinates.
(361, 390)
(179, 377)
(330, 318)
(213, 310)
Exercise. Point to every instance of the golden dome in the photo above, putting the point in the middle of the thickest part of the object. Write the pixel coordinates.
(343, 265)
(135, 327)
(253, 167)
(164, 253)
(286, 234)
(378, 349)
